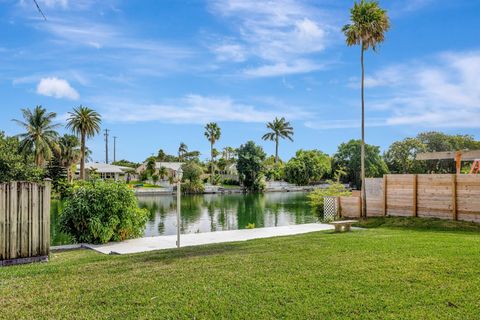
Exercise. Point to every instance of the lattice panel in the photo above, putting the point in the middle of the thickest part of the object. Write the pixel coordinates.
(330, 208)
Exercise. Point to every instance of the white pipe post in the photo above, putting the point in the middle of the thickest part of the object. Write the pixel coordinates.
(178, 212)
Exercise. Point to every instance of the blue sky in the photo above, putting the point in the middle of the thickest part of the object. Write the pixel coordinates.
(157, 71)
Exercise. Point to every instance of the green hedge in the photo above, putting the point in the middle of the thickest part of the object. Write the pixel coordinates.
(101, 211)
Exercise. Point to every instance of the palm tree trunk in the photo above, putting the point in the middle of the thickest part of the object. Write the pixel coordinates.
(364, 202)
(211, 161)
(82, 157)
(276, 150)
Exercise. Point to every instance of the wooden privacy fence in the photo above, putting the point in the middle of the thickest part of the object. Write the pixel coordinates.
(24, 222)
(446, 196)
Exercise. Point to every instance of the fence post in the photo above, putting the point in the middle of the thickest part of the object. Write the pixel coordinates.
(46, 216)
(339, 207)
(454, 197)
(415, 192)
(384, 194)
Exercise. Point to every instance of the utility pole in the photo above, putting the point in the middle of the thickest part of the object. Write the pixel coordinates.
(115, 148)
(106, 145)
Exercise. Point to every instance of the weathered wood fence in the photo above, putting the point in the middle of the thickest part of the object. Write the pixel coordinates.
(446, 196)
(24, 222)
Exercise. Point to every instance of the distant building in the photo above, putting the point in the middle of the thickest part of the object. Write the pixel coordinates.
(107, 171)
(171, 167)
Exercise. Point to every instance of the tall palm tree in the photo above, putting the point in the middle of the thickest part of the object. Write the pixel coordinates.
(69, 153)
(279, 128)
(40, 137)
(182, 150)
(212, 133)
(367, 28)
(84, 122)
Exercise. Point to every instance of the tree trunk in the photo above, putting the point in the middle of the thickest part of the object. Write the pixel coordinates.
(276, 151)
(364, 198)
(211, 161)
(82, 157)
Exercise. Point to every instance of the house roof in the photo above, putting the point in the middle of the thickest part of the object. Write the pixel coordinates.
(104, 167)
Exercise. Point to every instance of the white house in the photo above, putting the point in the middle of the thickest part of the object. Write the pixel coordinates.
(172, 168)
(107, 171)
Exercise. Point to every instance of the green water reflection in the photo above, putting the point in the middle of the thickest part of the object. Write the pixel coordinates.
(206, 213)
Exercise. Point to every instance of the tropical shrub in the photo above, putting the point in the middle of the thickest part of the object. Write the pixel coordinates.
(335, 189)
(15, 166)
(250, 166)
(230, 182)
(99, 211)
(307, 166)
(193, 187)
(216, 179)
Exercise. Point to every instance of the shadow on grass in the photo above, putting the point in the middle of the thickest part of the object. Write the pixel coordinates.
(420, 224)
(171, 255)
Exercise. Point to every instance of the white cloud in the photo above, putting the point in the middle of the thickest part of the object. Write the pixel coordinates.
(283, 68)
(230, 52)
(195, 109)
(57, 88)
(54, 3)
(276, 32)
(444, 92)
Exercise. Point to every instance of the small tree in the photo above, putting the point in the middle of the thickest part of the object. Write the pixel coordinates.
(307, 166)
(192, 172)
(250, 166)
(348, 157)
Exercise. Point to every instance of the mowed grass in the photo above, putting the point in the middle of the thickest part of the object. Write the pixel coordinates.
(380, 273)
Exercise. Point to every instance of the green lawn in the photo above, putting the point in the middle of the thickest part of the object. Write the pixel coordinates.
(401, 269)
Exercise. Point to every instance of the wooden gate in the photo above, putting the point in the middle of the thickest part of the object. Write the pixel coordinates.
(24, 222)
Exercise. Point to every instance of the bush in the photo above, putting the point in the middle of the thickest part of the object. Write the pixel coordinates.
(191, 171)
(193, 187)
(307, 166)
(231, 182)
(335, 189)
(101, 211)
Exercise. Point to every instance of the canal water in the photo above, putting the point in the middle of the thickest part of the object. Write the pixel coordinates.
(213, 212)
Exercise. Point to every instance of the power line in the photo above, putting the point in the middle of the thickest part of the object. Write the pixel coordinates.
(39, 9)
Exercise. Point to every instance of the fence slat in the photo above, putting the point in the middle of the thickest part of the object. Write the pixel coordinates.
(35, 218)
(13, 212)
(23, 206)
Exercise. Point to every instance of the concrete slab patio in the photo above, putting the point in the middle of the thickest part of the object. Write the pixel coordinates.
(196, 239)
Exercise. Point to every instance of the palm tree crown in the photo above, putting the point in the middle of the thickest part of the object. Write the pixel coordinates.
(279, 128)
(212, 133)
(40, 137)
(69, 152)
(182, 150)
(84, 122)
(368, 26)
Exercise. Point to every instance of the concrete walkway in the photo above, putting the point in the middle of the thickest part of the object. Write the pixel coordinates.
(196, 239)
